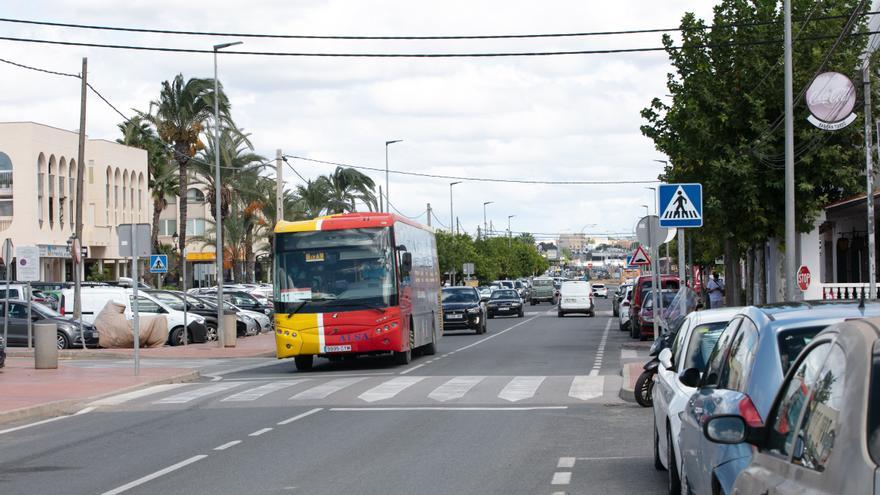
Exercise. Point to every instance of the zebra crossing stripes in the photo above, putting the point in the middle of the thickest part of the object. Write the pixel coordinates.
(586, 387)
(323, 390)
(455, 388)
(390, 388)
(521, 387)
(197, 393)
(257, 392)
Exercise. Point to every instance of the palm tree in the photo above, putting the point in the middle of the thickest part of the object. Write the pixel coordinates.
(345, 186)
(313, 197)
(238, 163)
(179, 115)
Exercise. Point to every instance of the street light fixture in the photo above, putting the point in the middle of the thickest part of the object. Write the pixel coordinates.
(655, 198)
(451, 214)
(509, 232)
(219, 220)
(486, 225)
(387, 143)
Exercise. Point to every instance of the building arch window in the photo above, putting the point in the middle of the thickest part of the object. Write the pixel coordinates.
(132, 178)
(117, 181)
(141, 195)
(194, 195)
(71, 192)
(5, 185)
(51, 202)
(41, 187)
(107, 196)
(62, 192)
(125, 196)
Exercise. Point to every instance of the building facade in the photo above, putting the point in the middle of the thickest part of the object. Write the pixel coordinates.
(38, 171)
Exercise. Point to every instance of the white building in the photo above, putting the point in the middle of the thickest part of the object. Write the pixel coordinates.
(38, 195)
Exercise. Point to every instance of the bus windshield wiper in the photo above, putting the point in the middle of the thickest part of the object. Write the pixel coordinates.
(303, 303)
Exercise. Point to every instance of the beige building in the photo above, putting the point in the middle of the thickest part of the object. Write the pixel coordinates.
(577, 243)
(38, 195)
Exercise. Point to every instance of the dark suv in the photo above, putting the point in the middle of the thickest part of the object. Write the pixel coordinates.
(463, 309)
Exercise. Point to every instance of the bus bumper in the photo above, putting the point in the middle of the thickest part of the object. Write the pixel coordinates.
(345, 333)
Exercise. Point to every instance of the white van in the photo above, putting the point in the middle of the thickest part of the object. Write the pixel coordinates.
(95, 298)
(575, 296)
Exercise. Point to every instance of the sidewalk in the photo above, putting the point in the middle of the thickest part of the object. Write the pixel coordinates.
(27, 392)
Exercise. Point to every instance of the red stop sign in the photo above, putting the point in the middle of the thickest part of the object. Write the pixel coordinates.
(803, 278)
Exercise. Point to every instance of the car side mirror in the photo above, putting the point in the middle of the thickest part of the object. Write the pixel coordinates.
(726, 429)
(665, 358)
(690, 377)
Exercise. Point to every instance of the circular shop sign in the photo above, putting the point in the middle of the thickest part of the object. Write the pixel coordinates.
(831, 97)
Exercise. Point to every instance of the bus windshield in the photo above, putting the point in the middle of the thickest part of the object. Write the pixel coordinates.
(334, 270)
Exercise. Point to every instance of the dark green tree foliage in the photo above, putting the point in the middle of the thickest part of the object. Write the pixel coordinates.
(493, 258)
(723, 127)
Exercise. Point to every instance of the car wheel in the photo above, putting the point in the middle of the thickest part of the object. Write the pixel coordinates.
(404, 357)
(658, 463)
(532, 302)
(304, 363)
(559, 313)
(63, 341)
(485, 326)
(491, 315)
(674, 482)
(211, 332)
(521, 313)
(634, 330)
(176, 337)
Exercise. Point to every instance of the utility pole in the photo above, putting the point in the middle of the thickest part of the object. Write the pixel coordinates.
(790, 240)
(457, 226)
(279, 187)
(78, 229)
(869, 174)
(451, 215)
(429, 214)
(381, 198)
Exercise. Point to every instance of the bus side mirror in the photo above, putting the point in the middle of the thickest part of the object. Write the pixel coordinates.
(406, 263)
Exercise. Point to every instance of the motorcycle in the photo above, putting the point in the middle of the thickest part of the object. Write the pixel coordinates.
(684, 303)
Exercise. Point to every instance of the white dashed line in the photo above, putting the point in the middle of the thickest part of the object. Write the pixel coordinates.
(260, 432)
(157, 474)
(600, 351)
(565, 463)
(561, 478)
(299, 416)
(228, 444)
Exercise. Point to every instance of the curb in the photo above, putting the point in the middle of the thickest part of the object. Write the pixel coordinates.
(70, 406)
(626, 393)
(72, 355)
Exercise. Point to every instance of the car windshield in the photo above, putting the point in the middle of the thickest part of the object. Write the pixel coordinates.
(170, 299)
(598, 286)
(542, 282)
(703, 339)
(459, 296)
(504, 294)
(792, 342)
(44, 310)
(337, 269)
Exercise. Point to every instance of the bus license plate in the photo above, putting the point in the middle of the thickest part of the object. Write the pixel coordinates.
(337, 348)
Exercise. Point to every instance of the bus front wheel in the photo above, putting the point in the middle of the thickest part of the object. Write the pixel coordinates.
(403, 357)
(431, 348)
(304, 363)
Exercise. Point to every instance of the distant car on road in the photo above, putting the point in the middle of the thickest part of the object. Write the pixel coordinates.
(575, 296)
(463, 308)
(505, 302)
(599, 290)
(623, 315)
(618, 296)
(542, 290)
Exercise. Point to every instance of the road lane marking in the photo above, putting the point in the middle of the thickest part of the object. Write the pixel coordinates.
(323, 390)
(586, 387)
(565, 463)
(521, 387)
(257, 392)
(299, 416)
(157, 474)
(494, 335)
(390, 388)
(260, 432)
(228, 444)
(600, 351)
(561, 478)
(455, 388)
(628, 354)
(412, 369)
(116, 400)
(197, 393)
(614, 458)
(447, 408)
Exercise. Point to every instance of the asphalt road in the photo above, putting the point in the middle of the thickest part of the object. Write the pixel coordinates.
(531, 407)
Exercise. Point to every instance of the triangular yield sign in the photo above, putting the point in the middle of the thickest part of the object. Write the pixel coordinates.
(640, 257)
(680, 207)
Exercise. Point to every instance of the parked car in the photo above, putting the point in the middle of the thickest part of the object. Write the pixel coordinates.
(175, 300)
(505, 302)
(463, 308)
(246, 321)
(68, 329)
(742, 376)
(599, 290)
(95, 298)
(623, 316)
(242, 300)
(575, 296)
(640, 287)
(542, 290)
(822, 431)
(522, 288)
(485, 291)
(2, 352)
(694, 341)
(645, 331)
(618, 297)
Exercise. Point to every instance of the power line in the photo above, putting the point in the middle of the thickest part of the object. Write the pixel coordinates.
(404, 214)
(480, 179)
(439, 222)
(401, 38)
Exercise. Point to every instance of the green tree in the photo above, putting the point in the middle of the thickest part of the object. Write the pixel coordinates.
(345, 186)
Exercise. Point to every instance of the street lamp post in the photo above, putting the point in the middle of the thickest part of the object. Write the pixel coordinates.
(509, 233)
(486, 225)
(451, 213)
(218, 228)
(387, 195)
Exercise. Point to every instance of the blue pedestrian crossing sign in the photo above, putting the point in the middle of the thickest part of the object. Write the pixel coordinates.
(681, 205)
(158, 263)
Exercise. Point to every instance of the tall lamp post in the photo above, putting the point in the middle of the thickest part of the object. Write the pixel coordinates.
(509, 233)
(218, 229)
(387, 143)
(451, 213)
(486, 225)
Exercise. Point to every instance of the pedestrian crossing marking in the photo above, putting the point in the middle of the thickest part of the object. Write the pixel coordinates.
(455, 388)
(586, 387)
(257, 392)
(325, 389)
(390, 388)
(197, 393)
(521, 387)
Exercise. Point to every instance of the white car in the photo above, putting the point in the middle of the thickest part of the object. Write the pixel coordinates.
(623, 318)
(575, 296)
(691, 348)
(599, 290)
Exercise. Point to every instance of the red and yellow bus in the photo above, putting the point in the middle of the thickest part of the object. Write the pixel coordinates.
(355, 283)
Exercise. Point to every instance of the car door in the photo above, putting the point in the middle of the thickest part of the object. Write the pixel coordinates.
(771, 464)
(17, 324)
(665, 384)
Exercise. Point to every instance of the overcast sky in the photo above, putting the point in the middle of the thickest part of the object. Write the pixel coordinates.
(573, 117)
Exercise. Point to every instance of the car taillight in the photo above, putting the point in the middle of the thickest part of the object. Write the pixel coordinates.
(749, 412)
